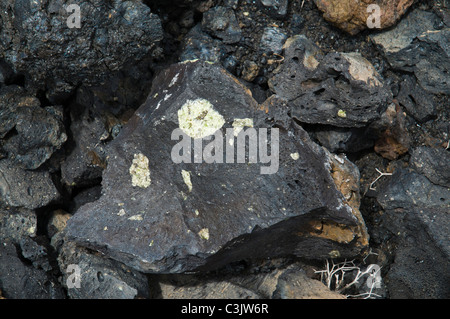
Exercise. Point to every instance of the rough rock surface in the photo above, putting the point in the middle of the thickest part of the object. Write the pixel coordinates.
(188, 216)
(19, 281)
(28, 189)
(85, 161)
(29, 133)
(37, 41)
(289, 282)
(416, 221)
(17, 223)
(433, 163)
(220, 22)
(352, 16)
(416, 45)
(416, 101)
(340, 89)
(100, 278)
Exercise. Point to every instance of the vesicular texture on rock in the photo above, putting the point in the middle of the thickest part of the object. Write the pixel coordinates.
(340, 89)
(37, 40)
(198, 215)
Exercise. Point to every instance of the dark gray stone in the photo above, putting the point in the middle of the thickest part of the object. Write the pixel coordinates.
(17, 223)
(415, 221)
(19, 281)
(199, 45)
(338, 139)
(272, 40)
(31, 133)
(414, 45)
(339, 89)
(36, 40)
(35, 253)
(85, 158)
(164, 217)
(275, 8)
(406, 189)
(221, 22)
(99, 278)
(28, 189)
(434, 163)
(417, 102)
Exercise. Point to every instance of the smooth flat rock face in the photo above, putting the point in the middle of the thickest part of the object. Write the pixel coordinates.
(160, 214)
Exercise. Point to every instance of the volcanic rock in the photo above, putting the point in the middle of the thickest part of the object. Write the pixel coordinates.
(17, 223)
(199, 45)
(415, 45)
(340, 89)
(416, 222)
(417, 102)
(99, 278)
(29, 133)
(163, 212)
(85, 160)
(19, 281)
(275, 8)
(221, 22)
(22, 188)
(38, 40)
(433, 163)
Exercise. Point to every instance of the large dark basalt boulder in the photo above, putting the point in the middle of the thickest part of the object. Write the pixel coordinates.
(159, 214)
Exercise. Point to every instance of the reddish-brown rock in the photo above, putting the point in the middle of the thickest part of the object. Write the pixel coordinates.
(352, 15)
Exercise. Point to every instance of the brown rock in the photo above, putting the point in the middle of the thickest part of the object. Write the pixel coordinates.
(394, 139)
(351, 15)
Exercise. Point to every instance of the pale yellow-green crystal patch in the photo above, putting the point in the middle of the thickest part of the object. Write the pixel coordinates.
(139, 171)
(204, 233)
(198, 118)
(187, 179)
(239, 124)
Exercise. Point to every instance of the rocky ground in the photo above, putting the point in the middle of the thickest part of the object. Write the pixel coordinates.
(93, 205)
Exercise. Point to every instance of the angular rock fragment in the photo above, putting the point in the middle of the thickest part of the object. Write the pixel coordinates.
(30, 133)
(19, 281)
(414, 45)
(85, 158)
(28, 189)
(99, 278)
(434, 163)
(417, 102)
(38, 39)
(417, 223)
(213, 203)
(275, 8)
(35, 253)
(199, 45)
(340, 89)
(17, 223)
(272, 40)
(339, 139)
(220, 22)
(406, 190)
(355, 16)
